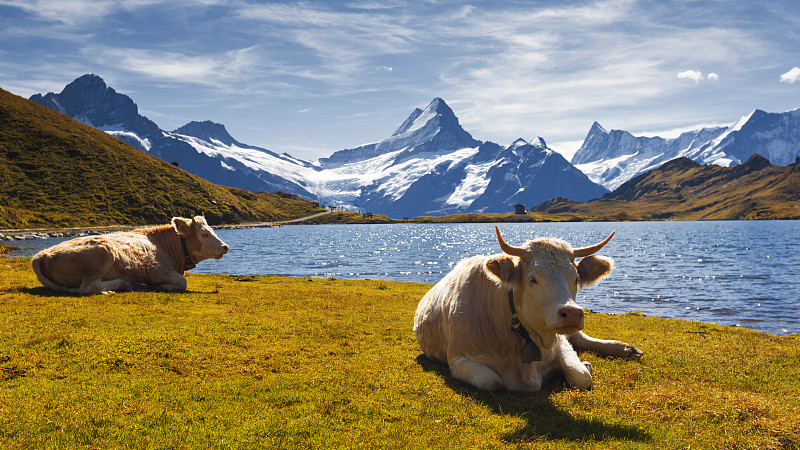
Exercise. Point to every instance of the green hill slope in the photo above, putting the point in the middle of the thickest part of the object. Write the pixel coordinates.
(56, 171)
(682, 189)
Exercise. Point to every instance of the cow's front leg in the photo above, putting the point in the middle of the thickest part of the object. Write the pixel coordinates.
(577, 372)
(172, 282)
(475, 373)
(582, 342)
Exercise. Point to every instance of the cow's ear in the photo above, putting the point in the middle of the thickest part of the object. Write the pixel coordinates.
(593, 269)
(503, 267)
(182, 225)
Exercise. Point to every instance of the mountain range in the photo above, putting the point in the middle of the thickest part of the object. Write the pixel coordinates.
(612, 158)
(429, 166)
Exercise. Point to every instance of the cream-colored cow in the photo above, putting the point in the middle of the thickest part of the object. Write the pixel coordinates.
(156, 257)
(509, 320)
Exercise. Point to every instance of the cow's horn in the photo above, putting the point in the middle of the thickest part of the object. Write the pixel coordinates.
(586, 251)
(507, 249)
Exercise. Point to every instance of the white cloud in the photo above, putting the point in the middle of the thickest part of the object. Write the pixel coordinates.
(694, 75)
(211, 70)
(76, 13)
(791, 76)
(713, 77)
(385, 68)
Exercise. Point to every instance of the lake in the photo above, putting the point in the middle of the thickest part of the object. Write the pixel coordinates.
(739, 273)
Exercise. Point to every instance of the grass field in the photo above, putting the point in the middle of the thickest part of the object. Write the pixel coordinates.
(277, 362)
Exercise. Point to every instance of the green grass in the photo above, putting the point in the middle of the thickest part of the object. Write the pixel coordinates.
(349, 217)
(267, 361)
(490, 218)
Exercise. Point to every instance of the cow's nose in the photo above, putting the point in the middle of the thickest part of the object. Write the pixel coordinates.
(570, 312)
(224, 249)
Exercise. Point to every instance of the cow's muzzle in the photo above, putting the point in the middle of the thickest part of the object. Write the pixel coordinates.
(569, 319)
(222, 251)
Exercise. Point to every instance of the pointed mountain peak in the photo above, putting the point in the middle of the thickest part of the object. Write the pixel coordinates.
(433, 129)
(439, 105)
(597, 128)
(436, 110)
(207, 130)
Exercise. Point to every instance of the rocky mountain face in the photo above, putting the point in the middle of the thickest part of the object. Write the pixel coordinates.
(429, 166)
(612, 158)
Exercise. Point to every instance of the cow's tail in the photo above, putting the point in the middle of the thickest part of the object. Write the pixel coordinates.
(39, 268)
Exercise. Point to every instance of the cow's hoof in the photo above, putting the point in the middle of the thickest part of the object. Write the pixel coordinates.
(632, 353)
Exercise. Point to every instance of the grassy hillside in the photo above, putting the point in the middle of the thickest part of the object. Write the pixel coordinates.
(279, 362)
(55, 171)
(685, 190)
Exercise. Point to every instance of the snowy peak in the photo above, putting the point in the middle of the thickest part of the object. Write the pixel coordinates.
(518, 143)
(208, 131)
(437, 120)
(434, 129)
(616, 157)
(437, 111)
(538, 142)
(775, 136)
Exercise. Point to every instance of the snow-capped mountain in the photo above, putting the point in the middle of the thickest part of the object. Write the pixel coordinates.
(429, 166)
(89, 100)
(612, 158)
(434, 129)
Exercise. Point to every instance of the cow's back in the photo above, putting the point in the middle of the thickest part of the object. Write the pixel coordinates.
(455, 309)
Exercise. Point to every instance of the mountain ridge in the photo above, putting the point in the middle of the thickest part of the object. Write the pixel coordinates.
(430, 164)
(613, 157)
(57, 171)
(683, 189)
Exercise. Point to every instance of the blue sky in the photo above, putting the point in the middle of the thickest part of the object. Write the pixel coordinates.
(310, 78)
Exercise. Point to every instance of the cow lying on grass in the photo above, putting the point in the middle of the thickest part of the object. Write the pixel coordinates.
(156, 257)
(509, 320)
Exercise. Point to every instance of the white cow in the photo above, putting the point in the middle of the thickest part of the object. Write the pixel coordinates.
(156, 257)
(509, 320)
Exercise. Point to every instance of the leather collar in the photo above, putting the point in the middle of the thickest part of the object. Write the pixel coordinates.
(530, 351)
(188, 264)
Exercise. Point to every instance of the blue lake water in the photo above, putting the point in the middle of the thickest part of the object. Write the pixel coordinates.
(740, 273)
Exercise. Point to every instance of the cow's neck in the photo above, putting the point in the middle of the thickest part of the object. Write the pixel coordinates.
(188, 264)
(530, 351)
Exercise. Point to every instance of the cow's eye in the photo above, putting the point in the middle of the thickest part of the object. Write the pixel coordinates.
(533, 280)
(205, 235)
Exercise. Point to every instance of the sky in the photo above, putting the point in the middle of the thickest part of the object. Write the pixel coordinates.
(310, 78)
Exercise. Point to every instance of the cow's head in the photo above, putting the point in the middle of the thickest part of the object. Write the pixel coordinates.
(201, 241)
(545, 279)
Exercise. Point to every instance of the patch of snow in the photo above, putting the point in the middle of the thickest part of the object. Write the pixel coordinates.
(473, 185)
(128, 136)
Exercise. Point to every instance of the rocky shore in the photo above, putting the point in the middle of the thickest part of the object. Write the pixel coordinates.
(47, 235)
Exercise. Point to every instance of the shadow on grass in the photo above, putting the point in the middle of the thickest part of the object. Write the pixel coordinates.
(543, 418)
(41, 291)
